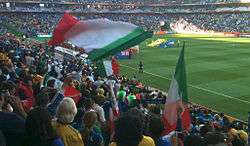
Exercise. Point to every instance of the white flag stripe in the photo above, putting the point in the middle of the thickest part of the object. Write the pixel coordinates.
(98, 33)
(108, 67)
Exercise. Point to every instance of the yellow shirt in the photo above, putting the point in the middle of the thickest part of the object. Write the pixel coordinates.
(69, 135)
(146, 141)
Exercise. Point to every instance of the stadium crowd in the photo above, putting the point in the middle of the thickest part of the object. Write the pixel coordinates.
(90, 109)
(33, 24)
(139, 2)
(120, 7)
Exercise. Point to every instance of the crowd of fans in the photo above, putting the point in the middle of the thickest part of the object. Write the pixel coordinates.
(44, 101)
(113, 1)
(212, 22)
(141, 1)
(33, 24)
(49, 102)
(120, 7)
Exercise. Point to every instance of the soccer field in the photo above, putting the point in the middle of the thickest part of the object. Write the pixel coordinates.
(218, 70)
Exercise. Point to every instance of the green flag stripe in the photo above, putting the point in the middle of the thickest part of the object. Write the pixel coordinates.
(130, 40)
(180, 76)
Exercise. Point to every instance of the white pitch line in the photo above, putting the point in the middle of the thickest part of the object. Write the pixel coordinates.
(193, 86)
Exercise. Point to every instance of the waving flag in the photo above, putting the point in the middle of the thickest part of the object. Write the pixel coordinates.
(177, 99)
(73, 93)
(108, 67)
(156, 42)
(100, 38)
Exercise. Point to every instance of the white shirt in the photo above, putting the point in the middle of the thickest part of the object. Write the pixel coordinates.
(100, 112)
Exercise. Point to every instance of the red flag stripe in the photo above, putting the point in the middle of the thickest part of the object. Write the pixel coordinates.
(64, 25)
(185, 118)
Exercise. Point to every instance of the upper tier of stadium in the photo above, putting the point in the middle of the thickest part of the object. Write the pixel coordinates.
(122, 7)
(135, 1)
(40, 17)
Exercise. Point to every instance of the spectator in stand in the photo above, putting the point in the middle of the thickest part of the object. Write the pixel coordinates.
(129, 131)
(65, 114)
(12, 125)
(156, 129)
(90, 134)
(131, 127)
(51, 88)
(215, 139)
(53, 72)
(234, 138)
(194, 140)
(42, 99)
(39, 129)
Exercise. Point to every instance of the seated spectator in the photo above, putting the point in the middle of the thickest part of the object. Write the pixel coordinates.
(37, 82)
(51, 87)
(194, 140)
(99, 110)
(156, 128)
(25, 88)
(65, 114)
(243, 136)
(100, 98)
(215, 139)
(39, 129)
(53, 72)
(42, 99)
(11, 124)
(129, 132)
(90, 134)
(234, 138)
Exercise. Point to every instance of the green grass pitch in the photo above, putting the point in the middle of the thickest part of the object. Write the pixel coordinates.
(218, 70)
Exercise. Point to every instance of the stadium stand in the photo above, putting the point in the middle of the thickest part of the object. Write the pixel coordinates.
(34, 112)
(24, 81)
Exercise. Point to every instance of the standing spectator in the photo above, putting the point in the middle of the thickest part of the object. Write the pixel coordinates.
(65, 114)
(129, 132)
(90, 134)
(156, 128)
(11, 124)
(39, 129)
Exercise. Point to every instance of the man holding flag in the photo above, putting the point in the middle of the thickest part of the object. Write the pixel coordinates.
(176, 113)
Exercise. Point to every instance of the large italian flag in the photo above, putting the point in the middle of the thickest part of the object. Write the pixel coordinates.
(177, 99)
(100, 38)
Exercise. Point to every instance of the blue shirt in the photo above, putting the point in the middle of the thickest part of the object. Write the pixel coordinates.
(163, 142)
(95, 138)
(58, 142)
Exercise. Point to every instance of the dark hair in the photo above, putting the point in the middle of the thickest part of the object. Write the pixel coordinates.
(156, 127)
(7, 86)
(51, 83)
(214, 138)
(88, 103)
(38, 127)
(5, 70)
(89, 122)
(194, 140)
(2, 139)
(205, 129)
(237, 142)
(138, 113)
(128, 130)
(42, 99)
(27, 79)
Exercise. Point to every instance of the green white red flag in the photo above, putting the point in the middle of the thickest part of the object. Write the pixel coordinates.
(177, 99)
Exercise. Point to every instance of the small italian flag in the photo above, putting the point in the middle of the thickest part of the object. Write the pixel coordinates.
(177, 99)
(99, 38)
(108, 67)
